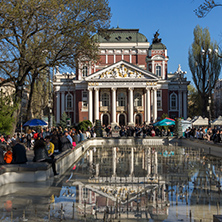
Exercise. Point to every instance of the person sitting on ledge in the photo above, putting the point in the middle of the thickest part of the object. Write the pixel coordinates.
(18, 152)
(41, 154)
(8, 155)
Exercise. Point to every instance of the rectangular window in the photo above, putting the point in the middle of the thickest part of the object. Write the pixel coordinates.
(159, 99)
(84, 99)
(84, 104)
(84, 96)
(159, 104)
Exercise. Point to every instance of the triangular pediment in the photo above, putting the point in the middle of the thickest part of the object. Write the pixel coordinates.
(122, 70)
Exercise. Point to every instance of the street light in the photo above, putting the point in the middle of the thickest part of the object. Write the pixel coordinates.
(21, 88)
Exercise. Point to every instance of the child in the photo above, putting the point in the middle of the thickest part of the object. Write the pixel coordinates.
(8, 155)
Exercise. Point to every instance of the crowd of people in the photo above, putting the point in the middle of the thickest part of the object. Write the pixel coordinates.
(44, 143)
(209, 134)
(47, 143)
(139, 131)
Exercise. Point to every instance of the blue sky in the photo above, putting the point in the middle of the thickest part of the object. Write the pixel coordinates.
(175, 20)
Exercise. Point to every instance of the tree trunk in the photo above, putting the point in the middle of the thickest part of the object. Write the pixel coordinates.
(28, 113)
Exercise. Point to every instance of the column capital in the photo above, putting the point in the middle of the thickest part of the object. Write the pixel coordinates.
(113, 88)
(131, 88)
(90, 89)
(148, 88)
(96, 89)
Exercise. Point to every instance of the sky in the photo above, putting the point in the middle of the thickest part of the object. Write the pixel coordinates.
(175, 20)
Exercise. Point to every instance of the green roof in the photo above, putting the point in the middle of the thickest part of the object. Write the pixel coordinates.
(158, 45)
(120, 35)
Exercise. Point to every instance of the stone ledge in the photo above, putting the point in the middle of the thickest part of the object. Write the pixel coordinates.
(32, 171)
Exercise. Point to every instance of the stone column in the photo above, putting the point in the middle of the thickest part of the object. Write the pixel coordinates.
(97, 169)
(185, 105)
(148, 161)
(131, 122)
(114, 161)
(96, 104)
(63, 102)
(148, 107)
(58, 107)
(91, 157)
(155, 104)
(180, 104)
(90, 108)
(132, 161)
(151, 101)
(114, 105)
(155, 164)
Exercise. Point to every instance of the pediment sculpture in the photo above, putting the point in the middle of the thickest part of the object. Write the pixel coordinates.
(120, 72)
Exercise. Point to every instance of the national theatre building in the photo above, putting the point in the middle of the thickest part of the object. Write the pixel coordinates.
(129, 85)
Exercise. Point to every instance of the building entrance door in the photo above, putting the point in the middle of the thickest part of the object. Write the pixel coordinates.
(122, 121)
(105, 120)
(138, 119)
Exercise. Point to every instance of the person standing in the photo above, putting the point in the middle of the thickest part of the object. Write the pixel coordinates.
(29, 139)
(49, 147)
(41, 154)
(65, 144)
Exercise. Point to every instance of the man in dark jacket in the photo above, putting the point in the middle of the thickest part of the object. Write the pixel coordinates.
(64, 143)
(18, 152)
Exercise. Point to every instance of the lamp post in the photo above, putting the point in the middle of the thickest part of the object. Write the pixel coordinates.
(21, 88)
(49, 102)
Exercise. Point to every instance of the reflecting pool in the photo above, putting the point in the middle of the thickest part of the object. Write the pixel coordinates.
(165, 183)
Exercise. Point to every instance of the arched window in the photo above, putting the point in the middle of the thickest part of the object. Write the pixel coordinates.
(173, 101)
(69, 102)
(138, 99)
(121, 99)
(105, 99)
(158, 71)
(84, 71)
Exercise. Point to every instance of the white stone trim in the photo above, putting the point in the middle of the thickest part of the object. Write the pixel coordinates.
(176, 108)
(71, 109)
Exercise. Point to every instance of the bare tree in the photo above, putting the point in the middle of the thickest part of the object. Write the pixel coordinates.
(206, 7)
(35, 35)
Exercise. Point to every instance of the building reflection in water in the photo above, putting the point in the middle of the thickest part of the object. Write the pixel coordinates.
(140, 182)
(135, 183)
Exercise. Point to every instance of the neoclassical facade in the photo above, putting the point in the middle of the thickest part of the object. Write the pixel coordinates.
(129, 85)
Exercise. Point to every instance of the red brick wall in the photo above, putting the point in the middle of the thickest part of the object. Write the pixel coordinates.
(102, 60)
(127, 58)
(142, 60)
(164, 103)
(118, 58)
(110, 59)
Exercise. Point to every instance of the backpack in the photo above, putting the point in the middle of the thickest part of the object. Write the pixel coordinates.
(29, 137)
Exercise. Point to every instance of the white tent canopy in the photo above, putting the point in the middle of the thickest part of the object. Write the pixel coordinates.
(200, 121)
(217, 122)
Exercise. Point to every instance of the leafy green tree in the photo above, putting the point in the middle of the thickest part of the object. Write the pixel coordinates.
(204, 65)
(193, 102)
(36, 35)
(83, 125)
(7, 109)
(63, 120)
(164, 116)
(206, 7)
